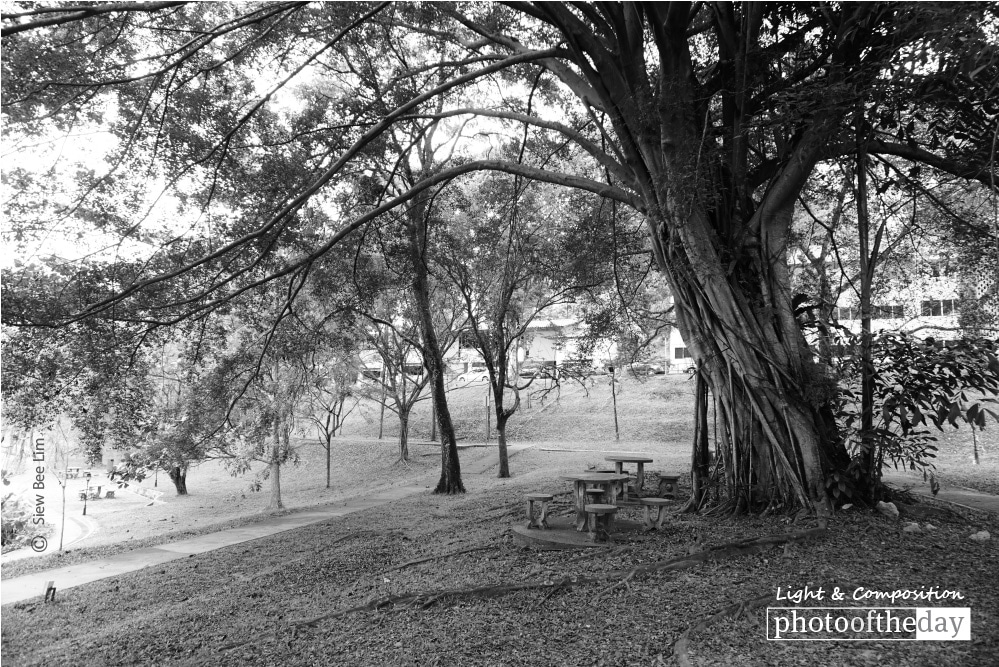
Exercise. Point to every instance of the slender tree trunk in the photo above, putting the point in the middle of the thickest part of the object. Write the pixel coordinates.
(489, 425)
(871, 471)
(403, 434)
(329, 456)
(178, 475)
(275, 468)
(416, 228)
(613, 383)
(381, 415)
(275, 475)
(504, 457)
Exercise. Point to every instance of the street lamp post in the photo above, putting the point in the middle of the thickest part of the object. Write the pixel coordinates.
(86, 494)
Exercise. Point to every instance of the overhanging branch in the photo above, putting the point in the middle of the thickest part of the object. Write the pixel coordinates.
(527, 171)
(77, 13)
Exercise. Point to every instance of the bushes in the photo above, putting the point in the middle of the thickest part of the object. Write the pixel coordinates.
(916, 384)
(16, 519)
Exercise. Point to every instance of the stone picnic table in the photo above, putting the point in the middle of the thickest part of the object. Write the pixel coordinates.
(620, 459)
(608, 483)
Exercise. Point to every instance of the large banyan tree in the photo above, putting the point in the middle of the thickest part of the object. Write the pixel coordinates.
(708, 118)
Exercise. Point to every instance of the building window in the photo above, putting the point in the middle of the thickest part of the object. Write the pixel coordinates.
(938, 307)
(886, 312)
(681, 353)
(847, 313)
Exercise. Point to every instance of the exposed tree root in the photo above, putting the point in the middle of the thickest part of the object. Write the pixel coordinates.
(681, 647)
(426, 599)
(423, 600)
(437, 557)
(620, 582)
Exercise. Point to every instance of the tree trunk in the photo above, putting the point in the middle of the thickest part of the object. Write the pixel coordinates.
(504, 457)
(403, 434)
(275, 469)
(613, 383)
(870, 467)
(329, 456)
(275, 475)
(416, 228)
(742, 334)
(178, 475)
(381, 414)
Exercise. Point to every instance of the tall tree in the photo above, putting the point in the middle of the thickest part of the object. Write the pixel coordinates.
(708, 118)
(512, 253)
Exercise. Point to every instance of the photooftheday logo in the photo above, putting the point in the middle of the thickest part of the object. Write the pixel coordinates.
(869, 623)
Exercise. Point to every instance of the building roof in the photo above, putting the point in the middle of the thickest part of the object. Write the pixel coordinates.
(553, 323)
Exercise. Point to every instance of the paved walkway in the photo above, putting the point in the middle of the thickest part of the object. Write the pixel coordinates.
(957, 495)
(29, 586)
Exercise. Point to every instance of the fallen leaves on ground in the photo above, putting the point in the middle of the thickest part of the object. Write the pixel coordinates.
(239, 605)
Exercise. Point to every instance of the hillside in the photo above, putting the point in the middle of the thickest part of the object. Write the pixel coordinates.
(658, 409)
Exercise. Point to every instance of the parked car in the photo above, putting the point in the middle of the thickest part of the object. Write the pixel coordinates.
(656, 369)
(530, 368)
(472, 377)
(638, 369)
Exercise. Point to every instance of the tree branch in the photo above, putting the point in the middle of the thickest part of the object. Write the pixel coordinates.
(77, 13)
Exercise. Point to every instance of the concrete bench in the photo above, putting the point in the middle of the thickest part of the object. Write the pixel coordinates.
(668, 486)
(543, 499)
(660, 505)
(598, 517)
(109, 494)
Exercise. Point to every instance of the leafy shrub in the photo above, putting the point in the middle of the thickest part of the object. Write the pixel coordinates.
(15, 519)
(916, 384)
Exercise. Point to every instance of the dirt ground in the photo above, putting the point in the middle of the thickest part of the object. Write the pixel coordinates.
(434, 580)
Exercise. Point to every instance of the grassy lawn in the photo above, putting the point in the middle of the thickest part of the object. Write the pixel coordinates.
(246, 604)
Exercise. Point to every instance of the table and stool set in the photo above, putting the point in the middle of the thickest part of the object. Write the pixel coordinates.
(599, 494)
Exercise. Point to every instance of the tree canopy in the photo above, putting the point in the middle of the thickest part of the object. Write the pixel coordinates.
(249, 121)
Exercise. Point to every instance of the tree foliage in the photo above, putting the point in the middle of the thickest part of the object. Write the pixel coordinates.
(706, 118)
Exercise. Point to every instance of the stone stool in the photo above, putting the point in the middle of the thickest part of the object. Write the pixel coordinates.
(668, 486)
(598, 518)
(544, 499)
(660, 505)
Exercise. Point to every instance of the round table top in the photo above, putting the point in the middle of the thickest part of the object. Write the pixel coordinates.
(594, 477)
(626, 458)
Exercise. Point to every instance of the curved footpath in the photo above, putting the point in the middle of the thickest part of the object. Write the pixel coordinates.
(32, 585)
(957, 495)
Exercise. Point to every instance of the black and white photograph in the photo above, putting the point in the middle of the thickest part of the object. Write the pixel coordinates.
(499, 334)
